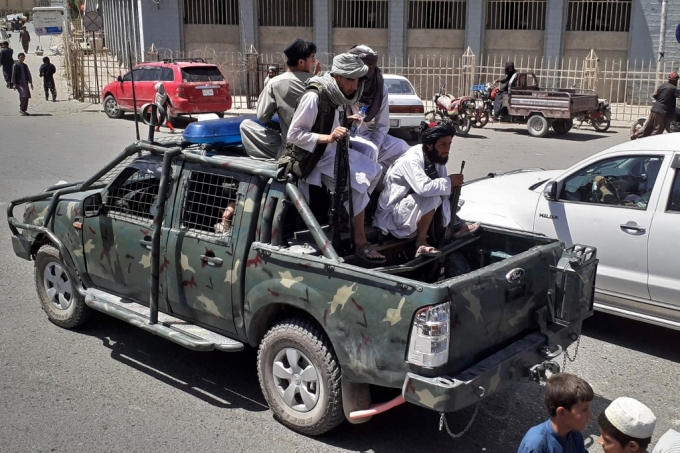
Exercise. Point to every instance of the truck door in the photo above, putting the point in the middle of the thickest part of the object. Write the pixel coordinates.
(608, 203)
(664, 247)
(201, 245)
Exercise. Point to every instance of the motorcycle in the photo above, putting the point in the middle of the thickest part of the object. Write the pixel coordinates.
(637, 125)
(600, 119)
(456, 111)
(483, 107)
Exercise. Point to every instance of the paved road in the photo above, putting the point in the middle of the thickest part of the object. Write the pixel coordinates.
(109, 387)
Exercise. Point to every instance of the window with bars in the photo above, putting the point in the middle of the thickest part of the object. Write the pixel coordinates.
(286, 13)
(515, 15)
(598, 15)
(360, 13)
(437, 14)
(209, 207)
(211, 12)
(132, 196)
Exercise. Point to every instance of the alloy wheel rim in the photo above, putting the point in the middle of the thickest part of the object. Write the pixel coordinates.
(296, 379)
(58, 286)
(112, 107)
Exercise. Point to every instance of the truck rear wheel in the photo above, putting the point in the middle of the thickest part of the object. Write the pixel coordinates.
(300, 377)
(561, 126)
(59, 298)
(538, 126)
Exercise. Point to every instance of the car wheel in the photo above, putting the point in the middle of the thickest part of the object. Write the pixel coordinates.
(220, 114)
(538, 126)
(111, 107)
(300, 377)
(58, 296)
(601, 124)
(561, 126)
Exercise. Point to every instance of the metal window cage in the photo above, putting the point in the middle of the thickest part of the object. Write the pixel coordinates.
(208, 197)
(515, 15)
(286, 13)
(437, 14)
(572, 284)
(360, 13)
(134, 198)
(603, 15)
(211, 12)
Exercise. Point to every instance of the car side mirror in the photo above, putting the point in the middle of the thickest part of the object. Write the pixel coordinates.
(550, 191)
(92, 205)
(120, 79)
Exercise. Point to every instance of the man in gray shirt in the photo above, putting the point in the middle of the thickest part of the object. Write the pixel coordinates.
(280, 96)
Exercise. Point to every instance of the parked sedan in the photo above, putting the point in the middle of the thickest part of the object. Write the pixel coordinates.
(625, 201)
(406, 108)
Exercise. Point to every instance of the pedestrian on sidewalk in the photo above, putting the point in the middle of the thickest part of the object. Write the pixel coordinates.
(163, 101)
(6, 61)
(47, 71)
(663, 109)
(25, 38)
(21, 79)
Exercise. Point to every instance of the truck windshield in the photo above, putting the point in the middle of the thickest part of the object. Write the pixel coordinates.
(202, 74)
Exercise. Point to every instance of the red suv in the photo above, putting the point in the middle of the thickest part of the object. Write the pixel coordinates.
(193, 87)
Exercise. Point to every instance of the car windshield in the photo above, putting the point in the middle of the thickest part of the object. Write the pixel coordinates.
(202, 74)
(396, 86)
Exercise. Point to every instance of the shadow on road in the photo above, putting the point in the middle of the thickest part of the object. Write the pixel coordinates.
(638, 336)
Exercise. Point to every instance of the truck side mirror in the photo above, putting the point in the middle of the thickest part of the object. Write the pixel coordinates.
(92, 205)
(550, 191)
(120, 79)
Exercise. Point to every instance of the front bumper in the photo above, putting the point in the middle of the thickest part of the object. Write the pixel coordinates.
(496, 373)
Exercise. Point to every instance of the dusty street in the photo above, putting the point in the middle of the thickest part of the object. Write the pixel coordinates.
(109, 387)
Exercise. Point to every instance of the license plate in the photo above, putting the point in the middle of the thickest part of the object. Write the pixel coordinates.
(208, 92)
(394, 123)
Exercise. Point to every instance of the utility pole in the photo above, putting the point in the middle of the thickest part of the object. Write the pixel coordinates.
(662, 38)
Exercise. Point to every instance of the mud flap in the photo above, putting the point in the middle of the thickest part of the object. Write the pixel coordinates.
(355, 397)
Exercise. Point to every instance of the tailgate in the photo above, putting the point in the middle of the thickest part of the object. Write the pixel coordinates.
(584, 103)
(204, 84)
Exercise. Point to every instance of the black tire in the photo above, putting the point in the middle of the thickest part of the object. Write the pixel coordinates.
(601, 124)
(219, 114)
(111, 107)
(66, 307)
(538, 126)
(481, 119)
(431, 116)
(462, 125)
(561, 127)
(315, 349)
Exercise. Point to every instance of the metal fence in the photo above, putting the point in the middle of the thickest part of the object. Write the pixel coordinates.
(360, 13)
(442, 14)
(286, 13)
(603, 15)
(213, 12)
(515, 14)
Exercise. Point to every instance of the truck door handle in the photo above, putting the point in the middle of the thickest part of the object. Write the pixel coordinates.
(632, 226)
(211, 261)
(146, 242)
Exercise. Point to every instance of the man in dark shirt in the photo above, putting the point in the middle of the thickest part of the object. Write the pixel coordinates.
(6, 61)
(47, 71)
(505, 86)
(663, 109)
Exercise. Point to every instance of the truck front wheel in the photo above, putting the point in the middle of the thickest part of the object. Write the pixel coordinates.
(300, 377)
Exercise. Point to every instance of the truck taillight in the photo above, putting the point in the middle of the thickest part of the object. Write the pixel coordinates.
(429, 342)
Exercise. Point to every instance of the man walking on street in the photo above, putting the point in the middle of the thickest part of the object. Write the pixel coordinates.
(21, 79)
(47, 71)
(663, 109)
(25, 39)
(7, 61)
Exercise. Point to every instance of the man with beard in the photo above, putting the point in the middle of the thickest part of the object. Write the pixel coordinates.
(313, 136)
(416, 185)
(506, 82)
(375, 98)
(280, 96)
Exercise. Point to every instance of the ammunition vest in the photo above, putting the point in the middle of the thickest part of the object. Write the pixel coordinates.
(301, 162)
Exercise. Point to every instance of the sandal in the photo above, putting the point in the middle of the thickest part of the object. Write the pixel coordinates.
(427, 250)
(467, 228)
(364, 251)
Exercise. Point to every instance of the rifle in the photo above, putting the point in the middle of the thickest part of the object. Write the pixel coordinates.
(343, 188)
(453, 200)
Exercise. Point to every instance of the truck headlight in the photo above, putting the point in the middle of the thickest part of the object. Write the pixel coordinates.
(429, 342)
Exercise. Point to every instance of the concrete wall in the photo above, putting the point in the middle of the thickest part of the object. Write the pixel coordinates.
(17, 5)
(275, 39)
(435, 42)
(608, 45)
(220, 38)
(344, 38)
(645, 27)
(160, 25)
(509, 43)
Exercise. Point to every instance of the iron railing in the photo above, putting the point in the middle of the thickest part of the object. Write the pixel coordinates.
(603, 15)
(515, 14)
(438, 14)
(360, 13)
(286, 13)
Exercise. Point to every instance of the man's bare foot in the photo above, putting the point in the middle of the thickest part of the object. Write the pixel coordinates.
(467, 228)
(367, 253)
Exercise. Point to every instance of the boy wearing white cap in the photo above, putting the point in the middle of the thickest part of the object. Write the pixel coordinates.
(626, 426)
(567, 398)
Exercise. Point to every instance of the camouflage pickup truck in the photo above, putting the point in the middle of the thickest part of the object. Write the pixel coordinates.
(147, 240)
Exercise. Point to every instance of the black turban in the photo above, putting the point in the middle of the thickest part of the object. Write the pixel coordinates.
(430, 133)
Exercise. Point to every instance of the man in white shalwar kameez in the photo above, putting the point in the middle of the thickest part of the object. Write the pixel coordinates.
(375, 98)
(280, 96)
(416, 185)
(343, 89)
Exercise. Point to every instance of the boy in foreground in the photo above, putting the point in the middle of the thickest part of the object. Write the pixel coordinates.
(626, 426)
(567, 398)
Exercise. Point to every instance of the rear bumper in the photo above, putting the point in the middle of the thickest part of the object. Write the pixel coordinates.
(406, 121)
(187, 107)
(492, 375)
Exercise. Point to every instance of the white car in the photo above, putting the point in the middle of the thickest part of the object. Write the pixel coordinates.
(624, 201)
(406, 107)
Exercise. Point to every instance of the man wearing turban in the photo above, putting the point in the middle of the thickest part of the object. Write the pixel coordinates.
(315, 131)
(416, 185)
(375, 98)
